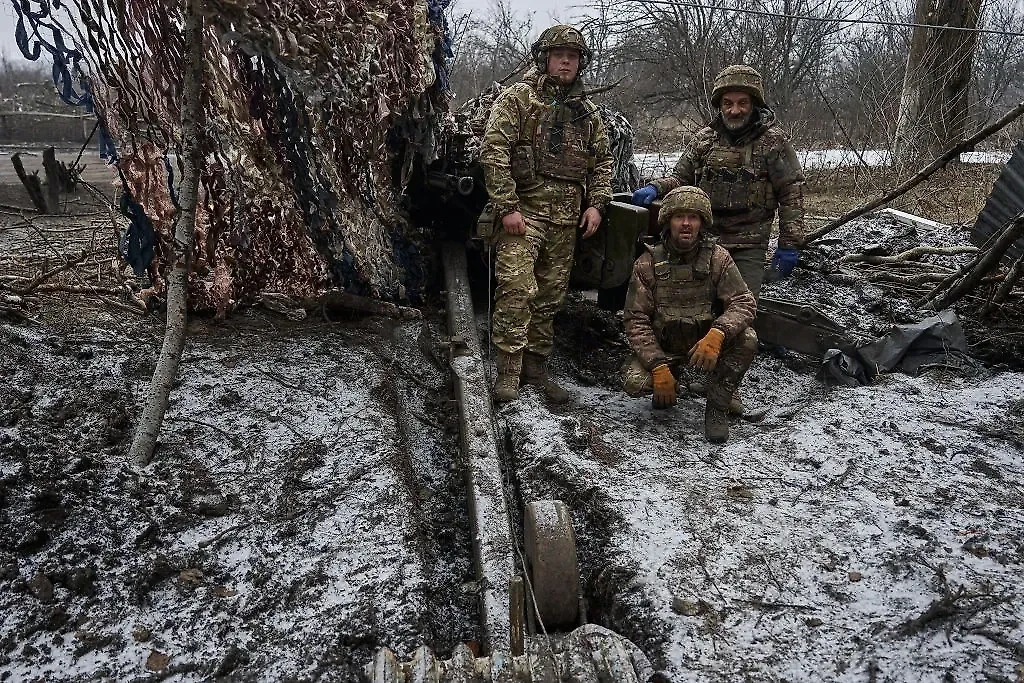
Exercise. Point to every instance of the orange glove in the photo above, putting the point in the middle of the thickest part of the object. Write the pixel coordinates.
(704, 354)
(664, 387)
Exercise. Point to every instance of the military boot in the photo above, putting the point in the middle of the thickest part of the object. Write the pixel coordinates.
(736, 406)
(506, 384)
(700, 387)
(535, 372)
(716, 415)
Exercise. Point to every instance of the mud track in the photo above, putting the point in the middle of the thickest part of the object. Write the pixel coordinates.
(303, 508)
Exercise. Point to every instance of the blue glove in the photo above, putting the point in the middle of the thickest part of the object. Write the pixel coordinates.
(645, 195)
(784, 261)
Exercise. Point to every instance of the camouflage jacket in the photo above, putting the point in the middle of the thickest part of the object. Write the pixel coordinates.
(748, 176)
(513, 152)
(725, 294)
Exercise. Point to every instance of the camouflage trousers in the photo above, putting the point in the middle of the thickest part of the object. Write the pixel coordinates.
(736, 357)
(750, 262)
(532, 273)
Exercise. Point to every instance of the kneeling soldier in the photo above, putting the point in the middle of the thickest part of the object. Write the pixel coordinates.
(688, 304)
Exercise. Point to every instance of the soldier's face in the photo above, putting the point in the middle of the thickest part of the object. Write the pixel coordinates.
(736, 109)
(564, 64)
(684, 229)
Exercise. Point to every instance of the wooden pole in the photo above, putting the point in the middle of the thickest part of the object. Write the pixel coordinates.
(920, 176)
(177, 282)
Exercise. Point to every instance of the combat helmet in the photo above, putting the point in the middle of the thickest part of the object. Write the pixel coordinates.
(738, 77)
(560, 35)
(685, 198)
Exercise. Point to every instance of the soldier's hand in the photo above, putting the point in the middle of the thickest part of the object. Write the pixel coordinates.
(513, 223)
(704, 354)
(590, 222)
(664, 387)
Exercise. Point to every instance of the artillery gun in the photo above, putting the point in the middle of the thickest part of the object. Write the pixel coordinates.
(532, 613)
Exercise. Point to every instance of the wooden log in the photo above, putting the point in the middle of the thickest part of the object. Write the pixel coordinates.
(920, 176)
(909, 254)
(384, 668)
(1007, 285)
(31, 183)
(361, 304)
(53, 180)
(944, 298)
(423, 668)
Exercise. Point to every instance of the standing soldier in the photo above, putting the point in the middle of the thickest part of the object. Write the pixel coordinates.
(747, 165)
(688, 304)
(548, 167)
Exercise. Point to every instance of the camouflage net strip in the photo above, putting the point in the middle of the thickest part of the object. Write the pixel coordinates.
(299, 188)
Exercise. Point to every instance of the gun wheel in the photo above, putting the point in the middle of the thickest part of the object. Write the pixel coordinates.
(553, 567)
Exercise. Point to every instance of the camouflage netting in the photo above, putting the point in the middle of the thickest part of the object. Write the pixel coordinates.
(299, 191)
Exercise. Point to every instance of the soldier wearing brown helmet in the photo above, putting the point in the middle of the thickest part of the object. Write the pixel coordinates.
(687, 304)
(747, 165)
(547, 166)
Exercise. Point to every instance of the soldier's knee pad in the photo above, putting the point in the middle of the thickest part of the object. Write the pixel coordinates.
(634, 389)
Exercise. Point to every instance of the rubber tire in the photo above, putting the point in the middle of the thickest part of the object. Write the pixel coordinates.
(550, 545)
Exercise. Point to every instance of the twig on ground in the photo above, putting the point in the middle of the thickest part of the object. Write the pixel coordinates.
(951, 604)
(999, 639)
(910, 254)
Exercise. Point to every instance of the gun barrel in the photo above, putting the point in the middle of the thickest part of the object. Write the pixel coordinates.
(464, 185)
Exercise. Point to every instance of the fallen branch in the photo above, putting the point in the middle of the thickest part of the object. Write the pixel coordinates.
(909, 254)
(921, 175)
(1009, 282)
(999, 639)
(361, 304)
(43, 277)
(982, 266)
(921, 279)
(949, 605)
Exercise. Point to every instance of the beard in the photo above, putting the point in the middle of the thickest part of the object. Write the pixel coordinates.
(683, 244)
(737, 123)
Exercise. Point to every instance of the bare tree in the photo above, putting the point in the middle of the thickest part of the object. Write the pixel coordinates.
(934, 105)
(192, 124)
(491, 47)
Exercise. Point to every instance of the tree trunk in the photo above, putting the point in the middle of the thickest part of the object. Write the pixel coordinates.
(31, 183)
(177, 282)
(933, 105)
(53, 180)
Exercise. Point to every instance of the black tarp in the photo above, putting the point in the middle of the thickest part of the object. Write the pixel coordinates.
(936, 342)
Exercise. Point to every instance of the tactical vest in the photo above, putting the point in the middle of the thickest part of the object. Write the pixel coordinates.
(736, 179)
(684, 298)
(556, 144)
(562, 141)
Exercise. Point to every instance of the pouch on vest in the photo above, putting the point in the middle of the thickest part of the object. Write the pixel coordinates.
(523, 170)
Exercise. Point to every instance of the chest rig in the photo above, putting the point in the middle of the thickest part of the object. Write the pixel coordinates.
(736, 179)
(554, 142)
(562, 141)
(684, 298)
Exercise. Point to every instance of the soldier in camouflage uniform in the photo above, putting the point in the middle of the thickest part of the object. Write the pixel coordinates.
(547, 165)
(687, 304)
(747, 165)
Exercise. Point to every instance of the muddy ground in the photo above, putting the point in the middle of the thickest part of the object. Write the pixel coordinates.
(306, 502)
